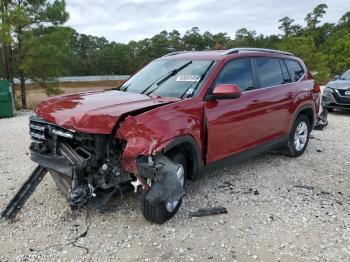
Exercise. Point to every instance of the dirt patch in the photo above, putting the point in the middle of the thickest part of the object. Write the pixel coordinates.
(36, 94)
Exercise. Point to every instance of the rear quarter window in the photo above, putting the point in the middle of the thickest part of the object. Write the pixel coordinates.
(295, 70)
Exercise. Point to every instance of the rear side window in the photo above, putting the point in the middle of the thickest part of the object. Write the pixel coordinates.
(285, 73)
(238, 72)
(269, 71)
(295, 70)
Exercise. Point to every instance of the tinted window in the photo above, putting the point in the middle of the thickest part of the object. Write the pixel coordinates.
(295, 70)
(346, 75)
(285, 73)
(238, 72)
(269, 72)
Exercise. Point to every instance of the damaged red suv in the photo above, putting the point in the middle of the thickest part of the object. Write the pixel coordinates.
(179, 116)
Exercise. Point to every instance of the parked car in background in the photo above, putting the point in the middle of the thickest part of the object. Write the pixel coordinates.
(337, 93)
(179, 116)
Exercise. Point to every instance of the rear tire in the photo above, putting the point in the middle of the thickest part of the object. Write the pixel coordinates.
(299, 137)
(162, 212)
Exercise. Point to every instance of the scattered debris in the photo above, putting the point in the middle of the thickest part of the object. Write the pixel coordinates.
(305, 187)
(70, 214)
(251, 191)
(23, 194)
(317, 139)
(201, 212)
(74, 240)
(322, 120)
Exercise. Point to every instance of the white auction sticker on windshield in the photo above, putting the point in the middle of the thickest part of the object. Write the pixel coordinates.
(188, 78)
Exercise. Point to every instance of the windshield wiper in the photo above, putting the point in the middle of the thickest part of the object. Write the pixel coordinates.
(122, 88)
(165, 78)
(198, 82)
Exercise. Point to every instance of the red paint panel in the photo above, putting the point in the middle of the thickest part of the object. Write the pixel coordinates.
(149, 132)
(94, 112)
(230, 126)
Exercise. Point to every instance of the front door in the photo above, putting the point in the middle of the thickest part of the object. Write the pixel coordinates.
(231, 123)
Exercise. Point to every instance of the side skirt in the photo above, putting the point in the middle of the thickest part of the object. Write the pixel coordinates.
(240, 157)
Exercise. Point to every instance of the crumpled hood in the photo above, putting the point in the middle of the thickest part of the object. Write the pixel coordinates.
(339, 84)
(95, 112)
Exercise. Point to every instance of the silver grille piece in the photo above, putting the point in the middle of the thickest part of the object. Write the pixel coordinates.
(40, 129)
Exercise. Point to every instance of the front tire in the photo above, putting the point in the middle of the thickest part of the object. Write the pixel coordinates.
(162, 212)
(299, 137)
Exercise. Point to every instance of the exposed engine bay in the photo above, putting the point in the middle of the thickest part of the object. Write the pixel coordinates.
(88, 167)
(91, 161)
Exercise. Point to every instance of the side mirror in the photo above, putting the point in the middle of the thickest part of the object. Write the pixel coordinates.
(225, 91)
(336, 77)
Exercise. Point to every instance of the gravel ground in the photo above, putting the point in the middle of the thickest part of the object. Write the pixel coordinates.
(279, 209)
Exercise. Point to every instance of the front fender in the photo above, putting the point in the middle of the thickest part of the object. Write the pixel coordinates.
(153, 131)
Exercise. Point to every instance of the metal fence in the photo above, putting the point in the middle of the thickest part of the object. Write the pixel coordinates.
(83, 78)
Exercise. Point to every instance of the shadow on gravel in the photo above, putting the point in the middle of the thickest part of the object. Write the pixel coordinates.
(340, 112)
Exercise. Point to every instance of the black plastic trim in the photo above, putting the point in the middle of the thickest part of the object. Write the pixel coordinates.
(197, 163)
(240, 157)
(303, 108)
(55, 163)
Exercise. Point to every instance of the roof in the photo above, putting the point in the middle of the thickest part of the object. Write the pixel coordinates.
(221, 54)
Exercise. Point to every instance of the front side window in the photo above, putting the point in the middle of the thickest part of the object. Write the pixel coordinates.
(169, 78)
(269, 71)
(238, 72)
(295, 70)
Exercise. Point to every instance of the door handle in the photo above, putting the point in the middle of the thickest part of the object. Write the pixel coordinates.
(254, 102)
(290, 95)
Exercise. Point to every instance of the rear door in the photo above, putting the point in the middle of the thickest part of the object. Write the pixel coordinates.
(275, 92)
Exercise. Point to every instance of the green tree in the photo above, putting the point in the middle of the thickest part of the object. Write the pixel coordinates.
(193, 40)
(46, 56)
(302, 46)
(344, 21)
(314, 18)
(287, 26)
(18, 19)
(245, 38)
(334, 53)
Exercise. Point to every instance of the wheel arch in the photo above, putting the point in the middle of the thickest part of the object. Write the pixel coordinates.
(191, 147)
(309, 112)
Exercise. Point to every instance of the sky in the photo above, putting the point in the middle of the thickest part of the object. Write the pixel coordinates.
(125, 20)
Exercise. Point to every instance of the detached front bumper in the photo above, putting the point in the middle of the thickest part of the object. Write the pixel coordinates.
(335, 99)
(53, 162)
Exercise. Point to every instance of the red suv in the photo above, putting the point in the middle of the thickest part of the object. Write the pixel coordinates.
(179, 116)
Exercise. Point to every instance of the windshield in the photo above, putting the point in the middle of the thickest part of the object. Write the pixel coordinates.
(171, 78)
(346, 75)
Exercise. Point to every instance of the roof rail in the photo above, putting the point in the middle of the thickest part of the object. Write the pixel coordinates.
(247, 49)
(174, 53)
